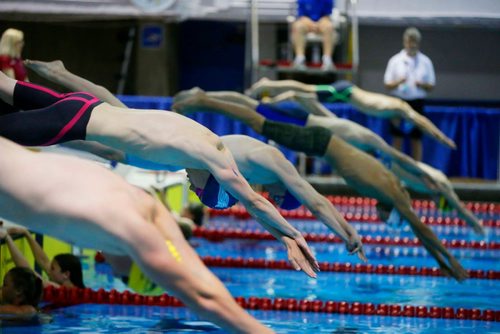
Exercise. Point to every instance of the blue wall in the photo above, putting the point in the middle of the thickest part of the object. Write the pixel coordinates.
(211, 55)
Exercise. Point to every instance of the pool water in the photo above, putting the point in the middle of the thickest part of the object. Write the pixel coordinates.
(273, 283)
(97, 318)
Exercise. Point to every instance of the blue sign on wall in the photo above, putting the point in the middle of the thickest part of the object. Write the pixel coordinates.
(152, 36)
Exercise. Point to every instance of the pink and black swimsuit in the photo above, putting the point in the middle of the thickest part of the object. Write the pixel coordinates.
(47, 117)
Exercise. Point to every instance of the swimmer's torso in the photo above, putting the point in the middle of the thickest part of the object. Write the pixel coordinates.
(250, 156)
(361, 171)
(68, 206)
(157, 136)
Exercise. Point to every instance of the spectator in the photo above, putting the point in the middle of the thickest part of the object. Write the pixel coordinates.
(314, 16)
(63, 270)
(410, 76)
(20, 294)
(11, 46)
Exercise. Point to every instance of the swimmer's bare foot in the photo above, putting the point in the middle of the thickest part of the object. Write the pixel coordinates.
(286, 96)
(186, 94)
(48, 70)
(190, 101)
(258, 88)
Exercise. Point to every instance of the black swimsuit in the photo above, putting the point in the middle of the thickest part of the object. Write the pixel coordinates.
(47, 117)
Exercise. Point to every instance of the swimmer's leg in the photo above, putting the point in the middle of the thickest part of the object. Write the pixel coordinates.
(201, 102)
(57, 123)
(57, 73)
(26, 96)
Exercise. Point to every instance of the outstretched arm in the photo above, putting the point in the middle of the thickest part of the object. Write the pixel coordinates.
(385, 106)
(163, 254)
(370, 178)
(273, 160)
(329, 215)
(404, 166)
(40, 257)
(227, 174)
(436, 183)
(56, 72)
(15, 253)
(424, 124)
(448, 263)
(298, 251)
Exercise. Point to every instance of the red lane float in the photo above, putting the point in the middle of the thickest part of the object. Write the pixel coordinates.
(364, 210)
(358, 268)
(73, 296)
(221, 234)
(360, 216)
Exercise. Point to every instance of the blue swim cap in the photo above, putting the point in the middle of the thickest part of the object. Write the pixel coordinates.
(214, 196)
(289, 202)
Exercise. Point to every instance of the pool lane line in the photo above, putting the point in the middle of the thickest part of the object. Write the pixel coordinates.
(474, 207)
(370, 216)
(221, 234)
(492, 208)
(376, 252)
(337, 267)
(448, 232)
(73, 296)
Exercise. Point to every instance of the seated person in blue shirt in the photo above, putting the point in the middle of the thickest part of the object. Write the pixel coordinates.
(314, 16)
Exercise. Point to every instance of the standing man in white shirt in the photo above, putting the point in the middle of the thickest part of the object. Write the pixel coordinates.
(410, 76)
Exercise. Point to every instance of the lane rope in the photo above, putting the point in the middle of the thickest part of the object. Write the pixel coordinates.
(61, 297)
(361, 215)
(337, 267)
(217, 234)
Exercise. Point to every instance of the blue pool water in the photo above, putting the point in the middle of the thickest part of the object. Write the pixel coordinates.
(349, 287)
(94, 318)
(409, 256)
